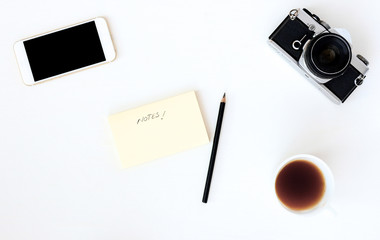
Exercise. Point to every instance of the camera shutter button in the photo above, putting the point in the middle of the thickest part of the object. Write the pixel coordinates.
(359, 81)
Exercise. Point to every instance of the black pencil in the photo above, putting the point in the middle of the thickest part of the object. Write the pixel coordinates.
(214, 149)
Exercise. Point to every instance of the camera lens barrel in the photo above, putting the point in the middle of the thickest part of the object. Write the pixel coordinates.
(328, 55)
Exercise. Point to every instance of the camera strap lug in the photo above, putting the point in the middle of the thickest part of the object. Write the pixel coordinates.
(359, 80)
(293, 14)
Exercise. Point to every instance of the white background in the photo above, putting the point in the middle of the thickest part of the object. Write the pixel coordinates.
(60, 177)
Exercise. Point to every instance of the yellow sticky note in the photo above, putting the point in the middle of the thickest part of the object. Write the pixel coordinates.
(158, 129)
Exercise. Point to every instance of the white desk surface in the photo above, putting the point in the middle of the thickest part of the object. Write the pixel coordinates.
(60, 177)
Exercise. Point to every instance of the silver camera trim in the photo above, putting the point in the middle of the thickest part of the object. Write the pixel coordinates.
(297, 67)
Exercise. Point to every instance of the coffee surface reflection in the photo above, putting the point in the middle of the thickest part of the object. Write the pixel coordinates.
(300, 185)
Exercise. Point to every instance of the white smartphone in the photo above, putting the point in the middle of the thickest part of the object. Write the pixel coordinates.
(65, 50)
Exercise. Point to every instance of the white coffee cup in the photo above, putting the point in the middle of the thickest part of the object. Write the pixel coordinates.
(284, 172)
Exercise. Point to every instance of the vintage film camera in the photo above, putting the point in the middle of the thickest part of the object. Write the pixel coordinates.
(321, 53)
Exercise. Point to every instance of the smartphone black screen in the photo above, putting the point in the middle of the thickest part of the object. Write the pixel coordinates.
(64, 51)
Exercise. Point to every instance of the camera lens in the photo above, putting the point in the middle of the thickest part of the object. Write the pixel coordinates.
(328, 55)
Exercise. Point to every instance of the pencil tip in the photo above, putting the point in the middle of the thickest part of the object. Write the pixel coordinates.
(224, 95)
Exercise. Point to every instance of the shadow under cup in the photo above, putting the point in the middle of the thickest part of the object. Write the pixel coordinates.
(303, 183)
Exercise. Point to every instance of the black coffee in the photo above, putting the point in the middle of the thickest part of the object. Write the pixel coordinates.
(300, 185)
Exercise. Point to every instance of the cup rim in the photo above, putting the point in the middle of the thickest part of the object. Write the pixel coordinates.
(327, 175)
